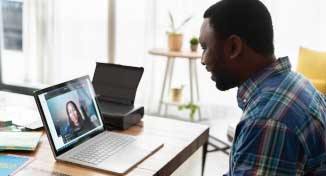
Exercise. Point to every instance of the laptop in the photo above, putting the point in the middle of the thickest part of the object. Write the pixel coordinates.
(73, 124)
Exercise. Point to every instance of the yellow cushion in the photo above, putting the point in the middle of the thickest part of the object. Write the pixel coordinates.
(312, 64)
(320, 85)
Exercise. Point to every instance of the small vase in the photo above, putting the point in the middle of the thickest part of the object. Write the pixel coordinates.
(193, 48)
(175, 41)
(176, 94)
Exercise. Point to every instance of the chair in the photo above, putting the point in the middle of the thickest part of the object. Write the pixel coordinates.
(312, 64)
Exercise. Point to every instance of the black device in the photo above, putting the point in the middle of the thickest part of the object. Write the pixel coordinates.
(116, 87)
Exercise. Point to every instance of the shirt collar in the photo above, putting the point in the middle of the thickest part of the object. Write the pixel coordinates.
(247, 89)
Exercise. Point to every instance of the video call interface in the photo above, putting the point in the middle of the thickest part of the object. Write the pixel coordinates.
(71, 113)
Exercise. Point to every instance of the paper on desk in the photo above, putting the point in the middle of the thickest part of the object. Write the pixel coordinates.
(20, 115)
(19, 140)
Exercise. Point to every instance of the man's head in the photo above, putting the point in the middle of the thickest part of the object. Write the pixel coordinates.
(233, 35)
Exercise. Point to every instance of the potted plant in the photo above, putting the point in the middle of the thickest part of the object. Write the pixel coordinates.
(176, 93)
(174, 36)
(194, 44)
(191, 107)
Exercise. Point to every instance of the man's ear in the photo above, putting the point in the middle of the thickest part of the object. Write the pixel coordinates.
(235, 46)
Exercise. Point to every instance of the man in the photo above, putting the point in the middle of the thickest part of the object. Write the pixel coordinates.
(283, 127)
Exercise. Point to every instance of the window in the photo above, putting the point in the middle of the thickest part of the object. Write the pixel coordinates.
(11, 23)
(44, 42)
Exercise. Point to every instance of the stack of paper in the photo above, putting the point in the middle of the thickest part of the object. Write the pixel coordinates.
(19, 140)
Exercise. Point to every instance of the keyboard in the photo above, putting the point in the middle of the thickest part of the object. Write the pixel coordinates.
(102, 148)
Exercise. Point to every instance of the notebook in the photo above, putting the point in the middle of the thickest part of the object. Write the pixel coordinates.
(5, 122)
(10, 164)
(19, 140)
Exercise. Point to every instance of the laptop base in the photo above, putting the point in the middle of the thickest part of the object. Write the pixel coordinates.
(122, 161)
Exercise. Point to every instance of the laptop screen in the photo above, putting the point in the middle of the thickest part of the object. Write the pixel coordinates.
(70, 112)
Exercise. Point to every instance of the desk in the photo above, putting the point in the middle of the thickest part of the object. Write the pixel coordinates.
(193, 77)
(181, 140)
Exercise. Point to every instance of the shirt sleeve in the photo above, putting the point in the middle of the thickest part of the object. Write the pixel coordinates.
(266, 147)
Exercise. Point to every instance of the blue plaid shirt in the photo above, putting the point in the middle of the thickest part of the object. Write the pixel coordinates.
(283, 127)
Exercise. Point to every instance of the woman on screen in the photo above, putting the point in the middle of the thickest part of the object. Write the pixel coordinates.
(76, 126)
(74, 116)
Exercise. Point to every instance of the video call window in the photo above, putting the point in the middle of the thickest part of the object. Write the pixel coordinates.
(73, 113)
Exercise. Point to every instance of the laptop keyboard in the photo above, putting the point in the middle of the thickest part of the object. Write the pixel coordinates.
(102, 148)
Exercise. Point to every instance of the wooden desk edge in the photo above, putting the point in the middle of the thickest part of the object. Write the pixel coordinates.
(176, 162)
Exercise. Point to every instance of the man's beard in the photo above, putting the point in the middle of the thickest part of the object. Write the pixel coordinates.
(224, 80)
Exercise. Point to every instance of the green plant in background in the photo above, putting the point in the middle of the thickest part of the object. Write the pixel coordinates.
(194, 44)
(190, 106)
(194, 41)
(174, 29)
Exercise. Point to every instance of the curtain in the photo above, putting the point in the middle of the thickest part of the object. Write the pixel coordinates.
(63, 39)
(38, 40)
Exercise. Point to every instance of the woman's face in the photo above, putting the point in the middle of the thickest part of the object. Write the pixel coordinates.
(72, 113)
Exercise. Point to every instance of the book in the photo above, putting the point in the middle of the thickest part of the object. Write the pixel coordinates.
(11, 164)
(5, 123)
(19, 140)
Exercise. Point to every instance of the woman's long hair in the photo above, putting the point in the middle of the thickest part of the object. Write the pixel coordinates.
(80, 120)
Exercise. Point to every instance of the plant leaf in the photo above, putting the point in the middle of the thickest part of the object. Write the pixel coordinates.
(192, 114)
(172, 25)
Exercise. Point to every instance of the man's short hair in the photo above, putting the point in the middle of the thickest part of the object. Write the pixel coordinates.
(249, 19)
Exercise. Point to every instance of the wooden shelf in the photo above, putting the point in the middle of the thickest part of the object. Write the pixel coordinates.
(175, 54)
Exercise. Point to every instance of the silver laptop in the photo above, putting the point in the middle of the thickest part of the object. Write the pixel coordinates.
(74, 127)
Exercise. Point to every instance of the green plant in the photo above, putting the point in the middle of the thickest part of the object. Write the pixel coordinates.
(194, 41)
(174, 29)
(190, 106)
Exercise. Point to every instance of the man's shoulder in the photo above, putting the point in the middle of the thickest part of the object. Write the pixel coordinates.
(289, 98)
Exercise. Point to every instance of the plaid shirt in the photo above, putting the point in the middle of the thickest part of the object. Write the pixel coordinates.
(283, 127)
